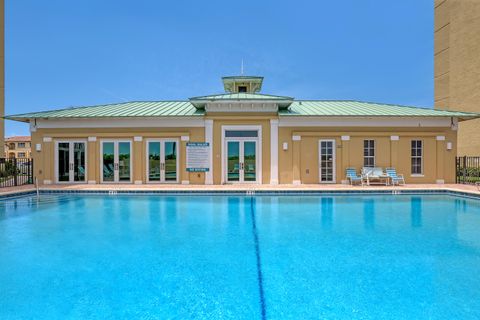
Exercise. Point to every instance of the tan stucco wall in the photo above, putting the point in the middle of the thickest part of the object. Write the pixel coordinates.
(253, 120)
(457, 65)
(299, 162)
(44, 160)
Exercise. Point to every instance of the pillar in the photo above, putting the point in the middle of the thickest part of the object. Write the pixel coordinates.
(296, 140)
(274, 151)
(209, 140)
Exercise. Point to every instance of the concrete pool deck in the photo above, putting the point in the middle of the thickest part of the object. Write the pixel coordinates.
(236, 188)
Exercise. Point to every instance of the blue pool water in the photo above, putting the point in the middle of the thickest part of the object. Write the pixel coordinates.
(236, 257)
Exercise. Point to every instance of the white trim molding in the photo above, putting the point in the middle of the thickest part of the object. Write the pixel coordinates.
(296, 138)
(296, 182)
(394, 138)
(440, 138)
(209, 139)
(440, 181)
(235, 106)
(185, 138)
(92, 139)
(185, 182)
(138, 138)
(46, 181)
(140, 122)
(47, 139)
(137, 182)
(345, 138)
(274, 151)
(300, 121)
(92, 182)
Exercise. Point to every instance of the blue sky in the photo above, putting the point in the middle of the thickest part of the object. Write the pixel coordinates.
(71, 53)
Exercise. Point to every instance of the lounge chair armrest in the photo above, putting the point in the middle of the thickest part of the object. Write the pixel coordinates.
(400, 175)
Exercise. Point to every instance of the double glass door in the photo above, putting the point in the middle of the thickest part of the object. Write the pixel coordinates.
(116, 161)
(71, 161)
(241, 161)
(327, 161)
(162, 160)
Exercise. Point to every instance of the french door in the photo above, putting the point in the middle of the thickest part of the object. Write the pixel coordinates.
(241, 161)
(162, 160)
(116, 161)
(327, 161)
(70, 161)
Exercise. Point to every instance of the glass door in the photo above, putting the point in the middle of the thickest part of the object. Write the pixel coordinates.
(123, 162)
(63, 162)
(233, 161)
(71, 161)
(241, 161)
(249, 161)
(79, 162)
(116, 161)
(162, 160)
(327, 161)
(170, 161)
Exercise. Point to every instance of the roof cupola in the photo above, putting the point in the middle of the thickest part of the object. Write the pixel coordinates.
(242, 84)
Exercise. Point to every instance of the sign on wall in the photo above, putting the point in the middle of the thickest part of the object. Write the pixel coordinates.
(198, 156)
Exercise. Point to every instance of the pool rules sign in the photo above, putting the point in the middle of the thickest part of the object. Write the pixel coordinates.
(198, 156)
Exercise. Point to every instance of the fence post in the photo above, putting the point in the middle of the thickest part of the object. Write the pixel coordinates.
(15, 181)
(464, 169)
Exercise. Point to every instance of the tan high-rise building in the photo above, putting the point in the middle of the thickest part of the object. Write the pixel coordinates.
(457, 66)
(2, 76)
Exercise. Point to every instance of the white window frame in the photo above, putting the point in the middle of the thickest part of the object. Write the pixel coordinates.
(162, 158)
(116, 155)
(70, 141)
(334, 161)
(258, 139)
(369, 148)
(422, 144)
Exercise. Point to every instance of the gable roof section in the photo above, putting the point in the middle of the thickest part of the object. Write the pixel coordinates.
(118, 110)
(322, 108)
(351, 108)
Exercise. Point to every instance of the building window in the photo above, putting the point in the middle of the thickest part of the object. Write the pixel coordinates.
(21, 155)
(417, 157)
(21, 144)
(369, 153)
(242, 88)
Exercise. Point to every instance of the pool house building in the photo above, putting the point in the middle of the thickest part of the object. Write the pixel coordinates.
(241, 136)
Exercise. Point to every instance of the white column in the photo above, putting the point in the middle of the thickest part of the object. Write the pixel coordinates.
(209, 139)
(273, 151)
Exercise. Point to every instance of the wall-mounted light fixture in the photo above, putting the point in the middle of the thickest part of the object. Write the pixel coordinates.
(285, 146)
(449, 146)
(38, 147)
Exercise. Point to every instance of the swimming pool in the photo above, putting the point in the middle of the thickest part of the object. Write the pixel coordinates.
(242, 257)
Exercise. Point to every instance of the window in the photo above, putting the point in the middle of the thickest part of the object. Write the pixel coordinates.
(21, 155)
(21, 144)
(369, 153)
(242, 88)
(241, 133)
(417, 157)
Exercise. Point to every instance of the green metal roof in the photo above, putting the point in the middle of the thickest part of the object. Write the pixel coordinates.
(297, 108)
(352, 108)
(127, 109)
(240, 96)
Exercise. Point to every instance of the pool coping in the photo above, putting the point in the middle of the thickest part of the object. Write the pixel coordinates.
(244, 191)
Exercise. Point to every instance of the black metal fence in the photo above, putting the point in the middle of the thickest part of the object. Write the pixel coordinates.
(468, 170)
(15, 172)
